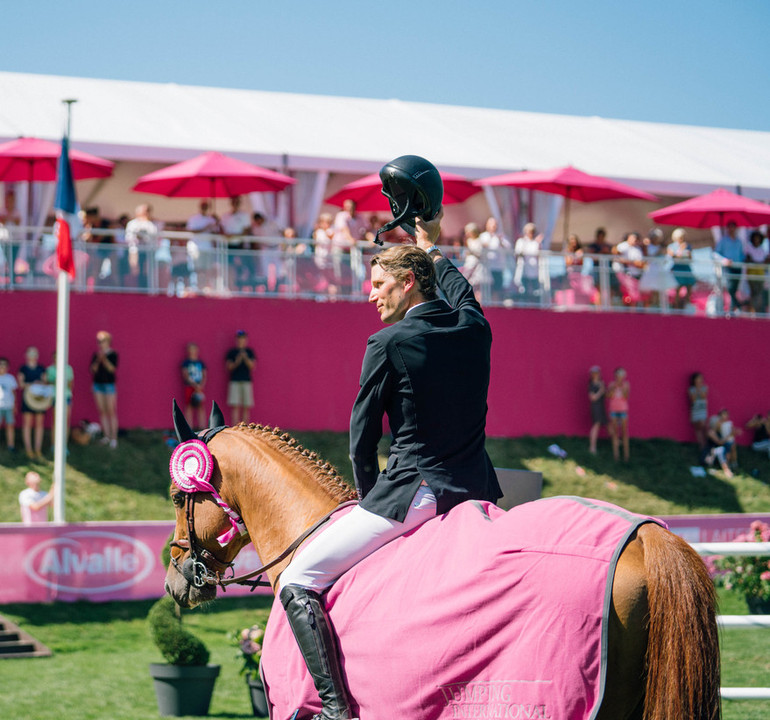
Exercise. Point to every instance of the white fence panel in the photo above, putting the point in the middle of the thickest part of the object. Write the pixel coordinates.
(756, 621)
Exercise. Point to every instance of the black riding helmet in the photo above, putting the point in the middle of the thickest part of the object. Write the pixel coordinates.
(414, 189)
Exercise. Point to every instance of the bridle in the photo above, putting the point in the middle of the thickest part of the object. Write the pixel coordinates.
(195, 569)
(191, 467)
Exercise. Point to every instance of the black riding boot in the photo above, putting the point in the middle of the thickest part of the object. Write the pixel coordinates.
(310, 625)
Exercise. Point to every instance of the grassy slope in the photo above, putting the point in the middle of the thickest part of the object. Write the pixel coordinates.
(131, 483)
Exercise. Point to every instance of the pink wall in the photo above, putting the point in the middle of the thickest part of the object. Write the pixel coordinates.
(310, 358)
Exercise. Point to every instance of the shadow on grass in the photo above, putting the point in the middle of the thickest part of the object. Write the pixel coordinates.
(140, 462)
(82, 612)
(659, 467)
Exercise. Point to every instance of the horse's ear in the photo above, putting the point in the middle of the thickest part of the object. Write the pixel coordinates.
(183, 431)
(217, 418)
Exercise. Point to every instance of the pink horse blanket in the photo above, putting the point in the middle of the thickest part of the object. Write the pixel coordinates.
(479, 613)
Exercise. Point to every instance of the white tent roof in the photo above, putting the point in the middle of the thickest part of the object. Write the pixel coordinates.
(156, 122)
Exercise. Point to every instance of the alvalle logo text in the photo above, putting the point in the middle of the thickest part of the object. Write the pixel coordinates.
(89, 562)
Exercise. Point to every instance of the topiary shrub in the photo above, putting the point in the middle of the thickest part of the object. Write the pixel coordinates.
(177, 646)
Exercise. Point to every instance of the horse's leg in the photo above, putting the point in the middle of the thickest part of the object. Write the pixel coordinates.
(627, 641)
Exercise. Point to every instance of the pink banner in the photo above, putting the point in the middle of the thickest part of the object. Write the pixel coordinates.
(121, 561)
(91, 561)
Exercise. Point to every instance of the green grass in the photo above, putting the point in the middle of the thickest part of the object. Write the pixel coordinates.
(101, 655)
(102, 651)
(131, 483)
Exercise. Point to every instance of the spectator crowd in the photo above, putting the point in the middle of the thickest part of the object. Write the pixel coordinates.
(242, 252)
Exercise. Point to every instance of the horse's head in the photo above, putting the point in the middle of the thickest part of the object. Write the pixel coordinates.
(208, 533)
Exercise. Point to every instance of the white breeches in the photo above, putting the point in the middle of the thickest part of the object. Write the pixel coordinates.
(349, 540)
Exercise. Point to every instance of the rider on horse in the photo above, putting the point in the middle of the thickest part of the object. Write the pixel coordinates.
(428, 371)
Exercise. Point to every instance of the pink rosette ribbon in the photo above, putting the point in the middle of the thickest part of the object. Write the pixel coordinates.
(191, 467)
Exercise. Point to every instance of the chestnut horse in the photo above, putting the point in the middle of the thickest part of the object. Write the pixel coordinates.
(663, 651)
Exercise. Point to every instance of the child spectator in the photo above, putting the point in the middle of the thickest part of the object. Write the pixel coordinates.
(699, 412)
(8, 385)
(596, 395)
(618, 392)
(34, 502)
(194, 376)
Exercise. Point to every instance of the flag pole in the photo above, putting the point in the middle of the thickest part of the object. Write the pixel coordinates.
(62, 355)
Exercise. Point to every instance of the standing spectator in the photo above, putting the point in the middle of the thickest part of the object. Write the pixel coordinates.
(474, 265)
(497, 248)
(656, 278)
(729, 251)
(597, 249)
(261, 227)
(104, 365)
(698, 395)
(236, 224)
(322, 251)
(8, 385)
(31, 373)
(596, 396)
(141, 238)
(681, 252)
(240, 361)
(573, 253)
(205, 224)
(757, 254)
(50, 378)
(628, 266)
(194, 375)
(617, 392)
(349, 229)
(34, 502)
(527, 252)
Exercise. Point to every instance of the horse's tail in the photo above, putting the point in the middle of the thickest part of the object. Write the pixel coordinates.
(683, 668)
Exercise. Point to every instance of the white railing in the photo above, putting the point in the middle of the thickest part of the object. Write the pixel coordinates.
(739, 621)
(183, 263)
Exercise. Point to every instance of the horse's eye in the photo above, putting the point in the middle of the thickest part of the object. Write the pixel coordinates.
(178, 499)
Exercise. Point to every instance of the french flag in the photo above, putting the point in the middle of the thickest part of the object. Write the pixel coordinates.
(66, 211)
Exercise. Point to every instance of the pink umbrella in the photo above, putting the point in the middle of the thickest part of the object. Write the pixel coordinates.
(367, 192)
(715, 208)
(211, 175)
(571, 183)
(30, 159)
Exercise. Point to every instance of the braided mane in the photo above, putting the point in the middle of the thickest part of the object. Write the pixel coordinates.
(324, 473)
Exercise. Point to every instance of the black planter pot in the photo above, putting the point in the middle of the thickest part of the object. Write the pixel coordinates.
(183, 689)
(258, 697)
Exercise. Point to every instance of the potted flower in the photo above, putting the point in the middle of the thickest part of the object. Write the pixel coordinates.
(249, 643)
(749, 575)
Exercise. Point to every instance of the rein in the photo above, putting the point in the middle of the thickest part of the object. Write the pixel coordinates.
(191, 467)
(197, 572)
(246, 578)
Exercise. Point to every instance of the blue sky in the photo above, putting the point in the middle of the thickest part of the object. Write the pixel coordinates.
(701, 63)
